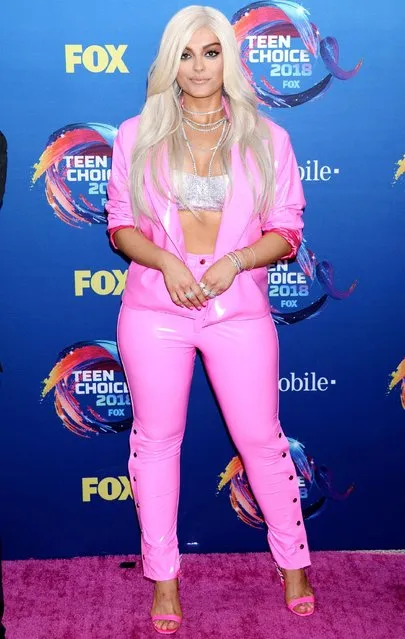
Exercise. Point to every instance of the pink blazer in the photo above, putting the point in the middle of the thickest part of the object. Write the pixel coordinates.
(247, 297)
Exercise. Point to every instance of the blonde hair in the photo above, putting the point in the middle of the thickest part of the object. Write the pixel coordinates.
(161, 116)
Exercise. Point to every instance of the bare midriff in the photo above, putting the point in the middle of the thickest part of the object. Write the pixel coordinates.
(200, 234)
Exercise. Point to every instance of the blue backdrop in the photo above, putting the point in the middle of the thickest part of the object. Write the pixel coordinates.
(331, 73)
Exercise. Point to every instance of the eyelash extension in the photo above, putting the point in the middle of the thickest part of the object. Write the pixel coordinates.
(210, 51)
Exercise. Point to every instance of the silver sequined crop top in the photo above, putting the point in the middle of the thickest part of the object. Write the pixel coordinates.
(203, 193)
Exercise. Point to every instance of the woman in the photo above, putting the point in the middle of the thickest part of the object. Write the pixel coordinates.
(204, 193)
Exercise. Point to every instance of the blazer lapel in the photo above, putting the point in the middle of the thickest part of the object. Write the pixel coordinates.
(237, 208)
(165, 207)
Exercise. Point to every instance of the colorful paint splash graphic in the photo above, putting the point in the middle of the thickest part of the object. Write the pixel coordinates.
(400, 171)
(321, 276)
(398, 377)
(79, 200)
(316, 478)
(80, 413)
(291, 20)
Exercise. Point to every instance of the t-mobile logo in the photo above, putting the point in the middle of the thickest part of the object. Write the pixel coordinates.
(308, 382)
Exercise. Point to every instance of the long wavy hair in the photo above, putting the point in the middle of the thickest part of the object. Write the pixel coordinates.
(161, 117)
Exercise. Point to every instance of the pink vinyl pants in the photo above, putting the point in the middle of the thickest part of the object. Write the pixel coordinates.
(241, 358)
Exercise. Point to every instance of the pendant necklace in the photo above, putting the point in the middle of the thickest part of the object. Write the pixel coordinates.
(214, 149)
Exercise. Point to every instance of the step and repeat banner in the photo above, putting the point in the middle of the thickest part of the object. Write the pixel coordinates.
(328, 71)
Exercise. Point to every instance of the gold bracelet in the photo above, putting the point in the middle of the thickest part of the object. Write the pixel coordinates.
(254, 257)
(249, 248)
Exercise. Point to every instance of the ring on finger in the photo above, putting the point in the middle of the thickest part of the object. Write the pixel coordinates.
(189, 295)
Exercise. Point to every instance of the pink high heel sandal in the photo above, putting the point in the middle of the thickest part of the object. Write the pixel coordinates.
(176, 618)
(298, 600)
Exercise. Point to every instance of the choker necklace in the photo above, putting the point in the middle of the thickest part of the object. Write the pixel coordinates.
(202, 112)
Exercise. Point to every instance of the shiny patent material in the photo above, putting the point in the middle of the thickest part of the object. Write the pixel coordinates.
(158, 351)
(247, 298)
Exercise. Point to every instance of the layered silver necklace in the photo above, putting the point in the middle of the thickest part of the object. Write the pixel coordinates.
(202, 112)
(204, 128)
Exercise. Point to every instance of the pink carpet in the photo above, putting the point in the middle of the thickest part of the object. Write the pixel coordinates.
(224, 596)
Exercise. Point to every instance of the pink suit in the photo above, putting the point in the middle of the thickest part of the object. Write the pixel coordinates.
(238, 341)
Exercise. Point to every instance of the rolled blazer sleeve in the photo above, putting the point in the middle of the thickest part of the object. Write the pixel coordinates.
(285, 216)
(118, 206)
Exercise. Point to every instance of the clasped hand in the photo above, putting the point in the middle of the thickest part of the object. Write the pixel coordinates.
(185, 291)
